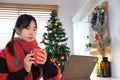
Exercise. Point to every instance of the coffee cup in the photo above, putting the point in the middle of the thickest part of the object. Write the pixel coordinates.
(36, 53)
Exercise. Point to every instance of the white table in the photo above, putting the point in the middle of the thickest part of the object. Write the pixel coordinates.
(101, 78)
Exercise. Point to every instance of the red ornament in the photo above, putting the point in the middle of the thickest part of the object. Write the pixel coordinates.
(60, 28)
(62, 57)
(96, 35)
(54, 12)
(43, 41)
(54, 30)
(101, 37)
(53, 59)
(66, 57)
(48, 30)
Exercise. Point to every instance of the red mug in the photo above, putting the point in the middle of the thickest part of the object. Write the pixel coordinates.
(35, 52)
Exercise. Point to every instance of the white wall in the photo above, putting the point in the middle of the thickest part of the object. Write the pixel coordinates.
(81, 25)
(114, 24)
(80, 33)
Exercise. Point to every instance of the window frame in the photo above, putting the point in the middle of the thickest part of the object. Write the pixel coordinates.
(30, 6)
(39, 7)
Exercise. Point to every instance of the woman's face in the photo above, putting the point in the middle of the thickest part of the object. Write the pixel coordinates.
(28, 34)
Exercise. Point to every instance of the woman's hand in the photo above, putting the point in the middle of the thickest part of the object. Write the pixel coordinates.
(28, 61)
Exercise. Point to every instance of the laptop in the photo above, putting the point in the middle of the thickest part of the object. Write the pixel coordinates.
(79, 67)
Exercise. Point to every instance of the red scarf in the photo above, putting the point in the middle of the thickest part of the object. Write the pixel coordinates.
(26, 46)
(16, 63)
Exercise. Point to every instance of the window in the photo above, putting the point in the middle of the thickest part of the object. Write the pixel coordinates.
(10, 12)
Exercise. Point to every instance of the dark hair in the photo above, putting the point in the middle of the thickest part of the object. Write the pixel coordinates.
(22, 22)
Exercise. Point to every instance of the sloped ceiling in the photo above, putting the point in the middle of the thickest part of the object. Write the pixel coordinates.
(86, 9)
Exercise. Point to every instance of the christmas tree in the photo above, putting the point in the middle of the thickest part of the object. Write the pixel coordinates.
(55, 41)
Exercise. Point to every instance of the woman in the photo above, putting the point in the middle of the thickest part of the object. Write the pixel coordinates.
(16, 59)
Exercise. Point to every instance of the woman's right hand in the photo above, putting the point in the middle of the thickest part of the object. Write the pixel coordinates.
(28, 61)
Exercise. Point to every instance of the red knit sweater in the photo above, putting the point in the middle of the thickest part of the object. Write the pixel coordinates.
(12, 67)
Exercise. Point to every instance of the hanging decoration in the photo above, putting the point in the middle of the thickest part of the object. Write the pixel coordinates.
(99, 24)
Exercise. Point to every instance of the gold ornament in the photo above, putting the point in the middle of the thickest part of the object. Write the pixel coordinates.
(54, 30)
(49, 23)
